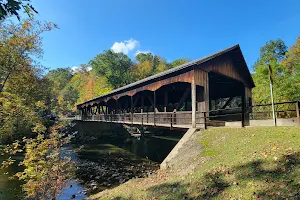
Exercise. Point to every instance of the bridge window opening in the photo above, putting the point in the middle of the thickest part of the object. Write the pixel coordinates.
(174, 97)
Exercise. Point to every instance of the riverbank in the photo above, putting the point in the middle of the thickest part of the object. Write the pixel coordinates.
(249, 163)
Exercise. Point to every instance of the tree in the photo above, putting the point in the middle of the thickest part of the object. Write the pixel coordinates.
(114, 66)
(142, 57)
(19, 44)
(273, 52)
(12, 7)
(179, 62)
(292, 61)
(59, 78)
(26, 95)
(292, 66)
(47, 166)
(141, 70)
(284, 85)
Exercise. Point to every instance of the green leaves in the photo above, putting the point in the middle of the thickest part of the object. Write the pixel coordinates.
(12, 7)
(114, 66)
(286, 77)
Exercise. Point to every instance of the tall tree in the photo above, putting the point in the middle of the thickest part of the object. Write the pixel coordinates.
(60, 78)
(19, 44)
(285, 88)
(24, 98)
(292, 62)
(114, 66)
(273, 52)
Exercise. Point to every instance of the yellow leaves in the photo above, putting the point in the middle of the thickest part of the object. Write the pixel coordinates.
(275, 148)
(142, 70)
(265, 154)
(40, 104)
(39, 128)
(250, 183)
(6, 163)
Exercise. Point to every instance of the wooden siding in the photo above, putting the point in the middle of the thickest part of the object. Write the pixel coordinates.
(202, 79)
(225, 67)
(184, 77)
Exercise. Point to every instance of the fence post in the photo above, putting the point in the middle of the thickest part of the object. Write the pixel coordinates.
(243, 111)
(171, 120)
(298, 112)
(204, 116)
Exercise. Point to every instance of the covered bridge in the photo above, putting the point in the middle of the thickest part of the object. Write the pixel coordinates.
(205, 92)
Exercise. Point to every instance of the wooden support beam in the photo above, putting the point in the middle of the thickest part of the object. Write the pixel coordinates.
(193, 96)
(183, 98)
(142, 108)
(117, 107)
(243, 111)
(126, 106)
(298, 112)
(154, 105)
(98, 107)
(136, 100)
(151, 101)
(131, 108)
(166, 101)
(142, 104)
(227, 103)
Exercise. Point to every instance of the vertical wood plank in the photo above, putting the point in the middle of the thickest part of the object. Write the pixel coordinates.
(166, 101)
(243, 111)
(142, 108)
(193, 97)
(131, 108)
(154, 108)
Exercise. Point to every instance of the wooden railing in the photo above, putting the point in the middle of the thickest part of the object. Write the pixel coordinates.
(290, 109)
(171, 119)
(150, 118)
(214, 118)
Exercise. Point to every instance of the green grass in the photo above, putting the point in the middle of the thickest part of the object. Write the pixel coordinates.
(241, 163)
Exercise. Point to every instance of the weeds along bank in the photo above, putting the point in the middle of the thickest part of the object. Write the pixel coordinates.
(248, 163)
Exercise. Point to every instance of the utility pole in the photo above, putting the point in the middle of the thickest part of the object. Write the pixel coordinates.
(271, 92)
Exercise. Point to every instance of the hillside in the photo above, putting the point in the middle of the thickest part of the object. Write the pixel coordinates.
(248, 163)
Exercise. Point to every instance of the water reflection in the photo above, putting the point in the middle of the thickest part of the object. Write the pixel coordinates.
(104, 164)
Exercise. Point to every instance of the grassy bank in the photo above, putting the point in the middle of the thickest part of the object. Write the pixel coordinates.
(249, 163)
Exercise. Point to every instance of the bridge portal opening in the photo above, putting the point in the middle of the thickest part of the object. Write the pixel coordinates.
(226, 98)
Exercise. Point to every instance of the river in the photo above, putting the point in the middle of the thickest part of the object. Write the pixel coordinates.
(102, 164)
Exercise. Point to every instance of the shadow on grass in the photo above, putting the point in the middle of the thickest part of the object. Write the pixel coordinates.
(276, 179)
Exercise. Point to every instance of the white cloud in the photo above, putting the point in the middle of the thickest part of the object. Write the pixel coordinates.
(125, 47)
(76, 68)
(139, 51)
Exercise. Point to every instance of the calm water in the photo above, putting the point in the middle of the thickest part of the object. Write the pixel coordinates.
(104, 164)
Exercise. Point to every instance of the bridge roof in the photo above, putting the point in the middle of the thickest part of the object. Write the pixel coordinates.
(185, 67)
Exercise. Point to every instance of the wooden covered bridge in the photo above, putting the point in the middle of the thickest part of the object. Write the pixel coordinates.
(209, 91)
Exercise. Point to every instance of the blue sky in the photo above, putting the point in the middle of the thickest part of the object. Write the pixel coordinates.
(172, 29)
